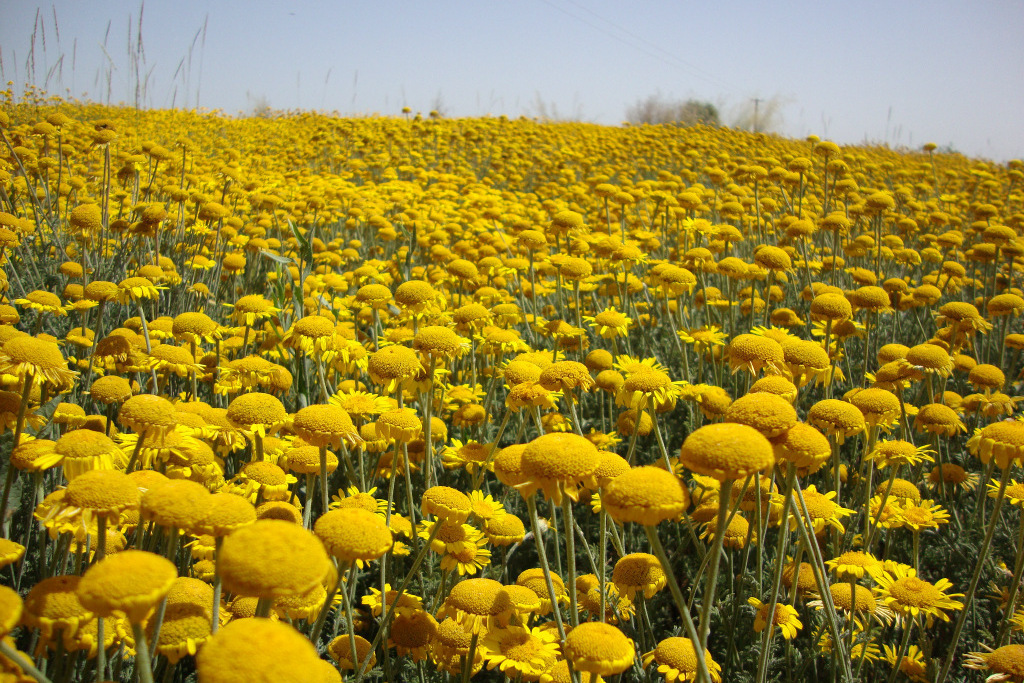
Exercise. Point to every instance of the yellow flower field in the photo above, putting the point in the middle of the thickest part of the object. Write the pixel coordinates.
(305, 398)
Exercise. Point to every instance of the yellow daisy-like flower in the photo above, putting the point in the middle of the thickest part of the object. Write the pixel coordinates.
(609, 323)
(906, 595)
(912, 665)
(473, 603)
(922, 515)
(408, 603)
(755, 354)
(1002, 441)
(823, 509)
(784, 616)
(532, 394)
(897, 452)
(1005, 662)
(649, 388)
(411, 634)
(703, 338)
(520, 652)
(559, 463)
(312, 334)
(36, 360)
(43, 302)
(597, 648)
(354, 498)
(469, 557)
(855, 564)
(471, 455)
(860, 601)
(450, 537)
(136, 289)
(638, 572)
(250, 309)
(953, 476)
(1013, 494)
(485, 508)
(677, 661)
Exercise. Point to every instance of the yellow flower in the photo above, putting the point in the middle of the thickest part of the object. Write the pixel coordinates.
(558, 464)
(912, 665)
(597, 648)
(520, 652)
(855, 564)
(638, 572)
(906, 595)
(823, 509)
(922, 515)
(1013, 494)
(784, 616)
(704, 338)
(1005, 662)
(609, 323)
(136, 289)
(677, 661)
(897, 452)
(469, 557)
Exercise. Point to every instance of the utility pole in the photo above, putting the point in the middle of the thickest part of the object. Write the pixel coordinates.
(754, 128)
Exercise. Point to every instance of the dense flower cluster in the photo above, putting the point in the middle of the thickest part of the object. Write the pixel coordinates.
(305, 398)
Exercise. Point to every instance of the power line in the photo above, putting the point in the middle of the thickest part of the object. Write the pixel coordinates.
(640, 44)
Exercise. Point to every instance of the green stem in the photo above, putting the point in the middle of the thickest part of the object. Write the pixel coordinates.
(976, 574)
(543, 559)
(417, 561)
(143, 662)
(821, 580)
(324, 500)
(777, 576)
(571, 564)
(23, 662)
(681, 605)
(904, 641)
(308, 503)
(603, 522)
(1012, 592)
(713, 574)
(216, 609)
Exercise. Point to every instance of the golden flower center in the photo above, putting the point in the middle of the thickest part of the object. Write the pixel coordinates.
(819, 507)
(917, 515)
(451, 533)
(520, 646)
(913, 592)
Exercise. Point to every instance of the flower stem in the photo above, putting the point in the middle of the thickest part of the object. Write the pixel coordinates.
(713, 573)
(777, 576)
(216, 609)
(904, 641)
(543, 559)
(1012, 592)
(571, 564)
(681, 605)
(976, 575)
(143, 663)
(417, 561)
(23, 662)
(821, 581)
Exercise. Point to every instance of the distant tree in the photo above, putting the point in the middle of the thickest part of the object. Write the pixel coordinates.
(657, 108)
(259, 106)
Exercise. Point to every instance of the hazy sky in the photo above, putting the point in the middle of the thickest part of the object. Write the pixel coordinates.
(888, 71)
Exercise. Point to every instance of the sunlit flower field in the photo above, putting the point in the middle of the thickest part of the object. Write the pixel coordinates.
(305, 398)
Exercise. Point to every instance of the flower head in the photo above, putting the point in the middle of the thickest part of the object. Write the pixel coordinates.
(677, 661)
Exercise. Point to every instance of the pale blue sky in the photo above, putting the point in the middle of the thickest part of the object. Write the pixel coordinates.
(891, 71)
